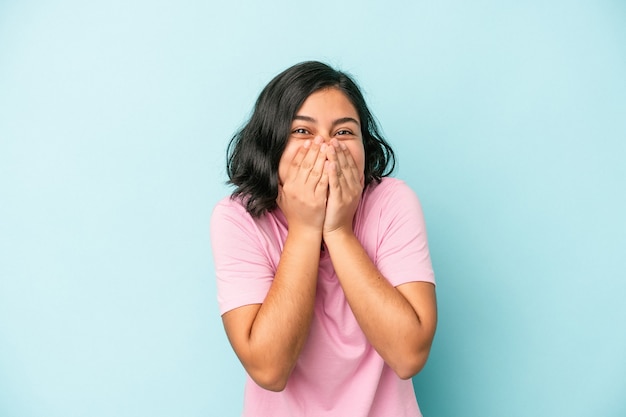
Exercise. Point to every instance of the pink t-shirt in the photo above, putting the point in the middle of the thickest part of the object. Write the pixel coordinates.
(338, 372)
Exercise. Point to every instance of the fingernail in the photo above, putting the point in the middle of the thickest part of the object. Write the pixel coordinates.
(318, 140)
(307, 144)
(343, 146)
(323, 147)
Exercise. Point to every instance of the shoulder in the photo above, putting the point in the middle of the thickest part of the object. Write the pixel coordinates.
(390, 192)
(391, 202)
(229, 208)
(230, 214)
(388, 185)
(228, 204)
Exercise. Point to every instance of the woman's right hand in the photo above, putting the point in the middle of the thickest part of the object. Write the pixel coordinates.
(303, 193)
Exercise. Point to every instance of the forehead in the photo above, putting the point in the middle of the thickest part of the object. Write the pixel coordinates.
(328, 100)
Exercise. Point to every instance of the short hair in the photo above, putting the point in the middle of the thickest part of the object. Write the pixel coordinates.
(254, 152)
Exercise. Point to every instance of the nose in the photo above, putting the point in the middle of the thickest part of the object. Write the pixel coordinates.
(323, 139)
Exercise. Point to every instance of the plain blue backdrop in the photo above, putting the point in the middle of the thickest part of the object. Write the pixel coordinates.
(509, 120)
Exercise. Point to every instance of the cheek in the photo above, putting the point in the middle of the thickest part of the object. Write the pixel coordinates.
(361, 164)
(358, 153)
(282, 170)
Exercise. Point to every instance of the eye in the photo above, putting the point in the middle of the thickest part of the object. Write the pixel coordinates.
(301, 131)
(344, 132)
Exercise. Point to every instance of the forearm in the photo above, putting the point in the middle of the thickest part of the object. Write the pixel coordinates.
(390, 322)
(282, 323)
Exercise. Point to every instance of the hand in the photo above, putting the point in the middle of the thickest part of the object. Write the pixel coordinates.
(345, 189)
(302, 197)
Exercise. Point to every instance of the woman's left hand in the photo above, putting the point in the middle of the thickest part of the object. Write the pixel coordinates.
(344, 189)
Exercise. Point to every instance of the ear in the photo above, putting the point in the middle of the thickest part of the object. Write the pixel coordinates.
(279, 197)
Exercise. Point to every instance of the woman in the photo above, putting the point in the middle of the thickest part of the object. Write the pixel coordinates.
(325, 283)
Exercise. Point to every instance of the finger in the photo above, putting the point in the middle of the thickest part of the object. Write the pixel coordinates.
(310, 159)
(332, 167)
(296, 162)
(347, 166)
(342, 168)
(334, 178)
(317, 171)
(322, 184)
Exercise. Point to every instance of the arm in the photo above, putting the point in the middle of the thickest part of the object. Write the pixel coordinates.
(268, 337)
(400, 321)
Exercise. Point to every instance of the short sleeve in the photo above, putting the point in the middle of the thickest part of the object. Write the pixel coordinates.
(244, 272)
(403, 255)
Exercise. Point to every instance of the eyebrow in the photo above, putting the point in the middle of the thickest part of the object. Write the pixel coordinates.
(335, 123)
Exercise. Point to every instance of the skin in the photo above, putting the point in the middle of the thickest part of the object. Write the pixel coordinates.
(321, 177)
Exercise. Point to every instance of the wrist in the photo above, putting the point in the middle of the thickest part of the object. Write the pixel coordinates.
(338, 235)
(306, 233)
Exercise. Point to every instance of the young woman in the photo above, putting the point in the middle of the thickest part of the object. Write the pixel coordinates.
(325, 283)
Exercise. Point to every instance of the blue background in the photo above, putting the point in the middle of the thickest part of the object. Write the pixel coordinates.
(509, 119)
